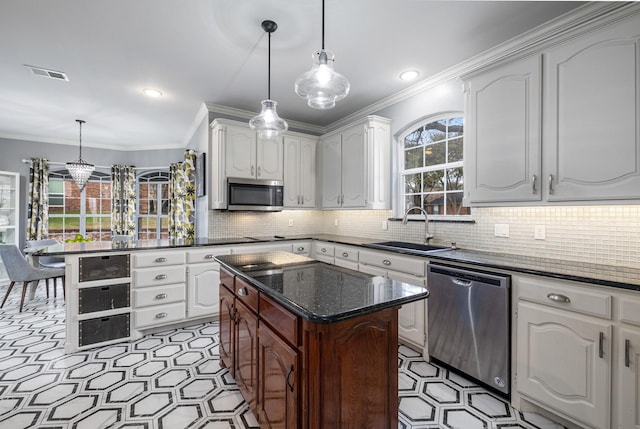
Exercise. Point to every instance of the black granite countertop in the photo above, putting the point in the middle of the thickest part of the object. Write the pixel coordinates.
(604, 275)
(319, 292)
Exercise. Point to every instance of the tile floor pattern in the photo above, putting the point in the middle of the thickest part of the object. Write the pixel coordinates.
(173, 380)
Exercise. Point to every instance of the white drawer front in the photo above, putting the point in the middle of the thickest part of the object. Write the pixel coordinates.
(346, 252)
(160, 315)
(344, 263)
(206, 255)
(556, 293)
(157, 259)
(148, 296)
(319, 248)
(630, 310)
(160, 276)
(301, 248)
(390, 261)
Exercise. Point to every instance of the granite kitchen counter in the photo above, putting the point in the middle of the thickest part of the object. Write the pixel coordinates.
(319, 292)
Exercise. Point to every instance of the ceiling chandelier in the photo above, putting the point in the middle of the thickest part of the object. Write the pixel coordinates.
(322, 86)
(268, 124)
(80, 170)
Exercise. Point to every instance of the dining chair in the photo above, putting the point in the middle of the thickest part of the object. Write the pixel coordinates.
(48, 262)
(20, 270)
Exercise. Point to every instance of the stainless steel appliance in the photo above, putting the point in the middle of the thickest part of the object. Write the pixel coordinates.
(255, 194)
(469, 323)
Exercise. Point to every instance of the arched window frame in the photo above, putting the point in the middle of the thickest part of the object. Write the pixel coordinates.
(451, 198)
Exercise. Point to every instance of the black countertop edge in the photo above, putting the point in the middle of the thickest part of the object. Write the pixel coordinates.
(482, 258)
(320, 318)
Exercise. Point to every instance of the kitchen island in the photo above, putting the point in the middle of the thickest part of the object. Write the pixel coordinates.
(309, 344)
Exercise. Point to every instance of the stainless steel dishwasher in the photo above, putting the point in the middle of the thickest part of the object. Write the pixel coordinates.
(469, 323)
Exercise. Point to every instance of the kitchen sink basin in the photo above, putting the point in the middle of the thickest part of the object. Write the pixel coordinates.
(407, 247)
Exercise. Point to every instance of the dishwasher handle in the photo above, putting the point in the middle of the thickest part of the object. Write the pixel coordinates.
(462, 282)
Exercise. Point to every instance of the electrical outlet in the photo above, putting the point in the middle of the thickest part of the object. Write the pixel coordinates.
(290, 222)
(385, 225)
(539, 232)
(501, 230)
(335, 222)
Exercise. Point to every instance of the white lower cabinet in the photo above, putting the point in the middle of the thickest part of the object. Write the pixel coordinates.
(323, 251)
(577, 350)
(203, 281)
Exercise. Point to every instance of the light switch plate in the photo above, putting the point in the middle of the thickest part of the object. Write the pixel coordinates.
(385, 225)
(501, 230)
(290, 222)
(539, 232)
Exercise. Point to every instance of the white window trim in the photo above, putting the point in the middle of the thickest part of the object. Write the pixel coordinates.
(397, 209)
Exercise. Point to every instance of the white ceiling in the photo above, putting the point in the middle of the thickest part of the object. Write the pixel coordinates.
(215, 51)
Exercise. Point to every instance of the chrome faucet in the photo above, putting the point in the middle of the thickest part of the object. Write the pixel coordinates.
(427, 236)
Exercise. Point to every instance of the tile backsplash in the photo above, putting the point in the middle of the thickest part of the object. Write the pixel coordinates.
(597, 234)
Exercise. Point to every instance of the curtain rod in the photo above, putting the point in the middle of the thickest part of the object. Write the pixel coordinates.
(102, 167)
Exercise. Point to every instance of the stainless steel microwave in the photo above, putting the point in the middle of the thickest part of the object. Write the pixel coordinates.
(255, 194)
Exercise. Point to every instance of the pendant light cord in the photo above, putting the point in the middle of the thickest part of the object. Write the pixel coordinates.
(323, 25)
(80, 122)
(269, 71)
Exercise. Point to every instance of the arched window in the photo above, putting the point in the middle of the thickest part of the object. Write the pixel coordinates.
(73, 212)
(153, 205)
(430, 167)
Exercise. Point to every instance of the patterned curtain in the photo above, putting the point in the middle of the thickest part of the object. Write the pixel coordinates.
(123, 200)
(38, 211)
(182, 197)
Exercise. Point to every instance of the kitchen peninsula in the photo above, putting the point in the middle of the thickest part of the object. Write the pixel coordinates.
(309, 344)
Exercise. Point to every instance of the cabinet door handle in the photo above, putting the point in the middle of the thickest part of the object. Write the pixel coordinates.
(601, 345)
(243, 291)
(550, 183)
(627, 353)
(209, 256)
(342, 199)
(338, 199)
(161, 259)
(161, 315)
(533, 184)
(288, 376)
(259, 171)
(161, 296)
(301, 249)
(345, 254)
(386, 262)
(252, 170)
(323, 250)
(161, 277)
(559, 298)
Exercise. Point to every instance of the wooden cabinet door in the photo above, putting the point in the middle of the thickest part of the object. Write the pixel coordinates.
(354, 154)
(279, 367)
(592, 142)
(629, 378)
(502, 159)
(240, 152)
(202, 290)
(269, 159)
(246, 353)
(331, 174)
(564, 362)
(227, 329)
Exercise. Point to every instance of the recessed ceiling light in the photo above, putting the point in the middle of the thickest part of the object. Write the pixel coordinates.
(152, 92)
(409, 75)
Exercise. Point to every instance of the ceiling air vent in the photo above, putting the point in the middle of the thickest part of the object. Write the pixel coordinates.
(47, 73)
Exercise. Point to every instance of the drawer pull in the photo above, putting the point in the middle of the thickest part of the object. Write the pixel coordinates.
(301, 249)
(161, 277)
(345, 254)
(323, 250)
(559, 298)
(627, 353)
(161, 259)
(533, 183)
(289, 375)
(243, 292)
(161, 315)
(209, 256)
(601, 345)
(386, 262)
(550, 184)
(161, 296)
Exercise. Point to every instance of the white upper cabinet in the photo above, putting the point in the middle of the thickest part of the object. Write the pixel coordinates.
(355, 166)
(236, 151)
(582, 100)
(299, 172)
(592, 116)
(502, 121)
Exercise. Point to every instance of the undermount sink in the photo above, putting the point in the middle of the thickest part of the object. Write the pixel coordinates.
(403, 245)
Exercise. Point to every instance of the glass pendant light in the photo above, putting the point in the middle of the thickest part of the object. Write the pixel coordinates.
(268, 124)
(80, 170)
(322, 86)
